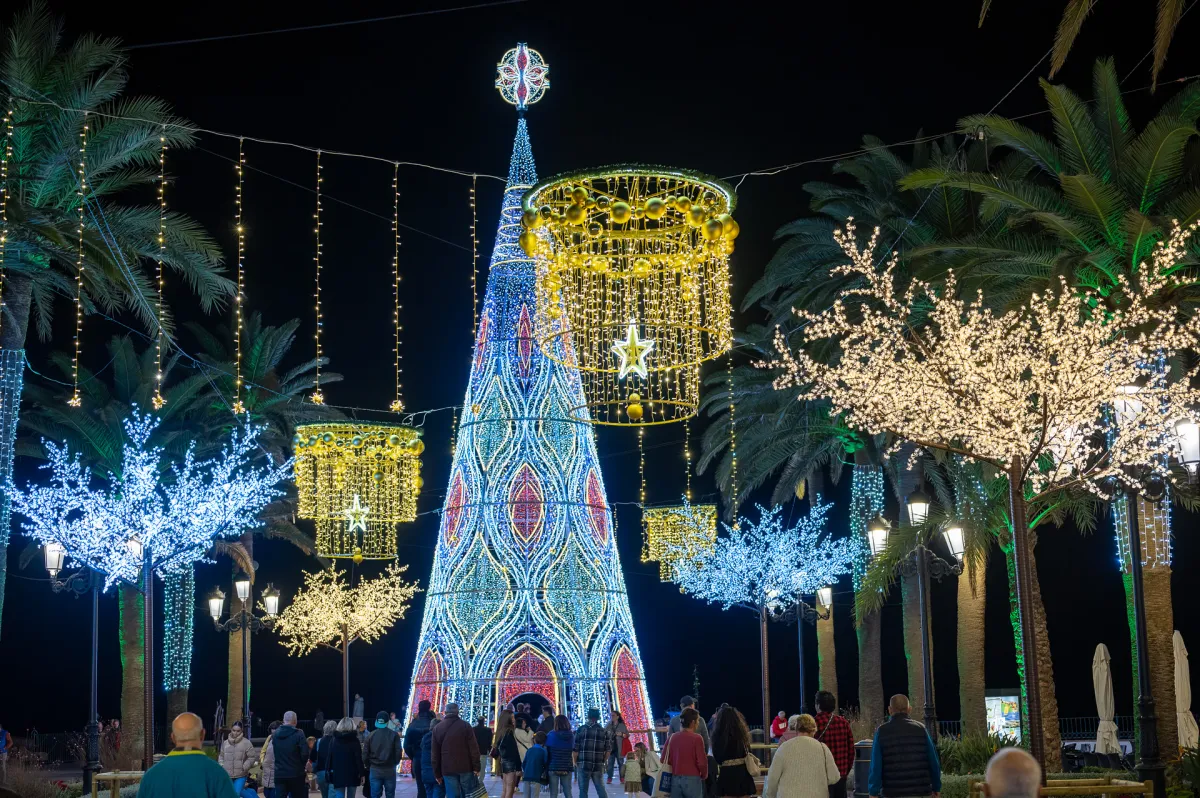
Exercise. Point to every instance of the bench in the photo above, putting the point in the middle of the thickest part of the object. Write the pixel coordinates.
(1076, 787)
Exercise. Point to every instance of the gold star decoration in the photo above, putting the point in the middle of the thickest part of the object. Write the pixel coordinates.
(632, 353)
(356, 514)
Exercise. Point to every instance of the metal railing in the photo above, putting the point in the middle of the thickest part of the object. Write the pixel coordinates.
(1084, 728)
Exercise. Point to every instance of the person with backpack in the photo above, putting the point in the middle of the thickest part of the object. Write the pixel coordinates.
(381, 755)
(483, 738)
(417, 728)
(423, 769)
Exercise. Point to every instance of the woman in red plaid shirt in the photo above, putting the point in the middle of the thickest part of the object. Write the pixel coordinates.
(834, 731)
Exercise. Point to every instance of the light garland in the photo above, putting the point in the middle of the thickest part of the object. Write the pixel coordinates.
(12, 369)
(734, 497)
(474, 261)
(317, 397)
(5, 157)
(397, 405)
(239, 406)
(343, 466)
(526, 593)
(687, 530)
(992, 387)
(175, 522)
(866, 502)
(687, 459)
(76, 400)
(158, 401)
(328, 612)
(1155, 532)
(637, 252)
(762, 564)
(179, 620)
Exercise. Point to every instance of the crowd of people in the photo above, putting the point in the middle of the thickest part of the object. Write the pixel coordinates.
(813, 758)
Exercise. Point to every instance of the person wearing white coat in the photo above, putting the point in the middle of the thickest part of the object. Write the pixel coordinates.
(237, 756)
(651, 767)
(802, 767)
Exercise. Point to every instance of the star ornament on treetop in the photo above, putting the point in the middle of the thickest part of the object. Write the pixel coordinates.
(632, 353)
(356, 514)
(521, 76)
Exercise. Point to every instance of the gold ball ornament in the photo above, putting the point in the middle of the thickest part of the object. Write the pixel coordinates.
(671, 200)
(531, 218)
(528, 242)
(709, 198)
(634, 398)
(576, 214)
(655, 208)
(417, 446)
(420, 483)
(713, 229)
(683, 204)
(377, 476)
(358, 556)
(327, 437)
(621, 212)
(554, 311)
(356, 441)
(732, 228)
(393, 440)
(595, 229)
(579, 195)
(696, 216)
(634, 411)
(545, 212)
(639, 213)
(603, 203)
(599, 265)
(641, 268)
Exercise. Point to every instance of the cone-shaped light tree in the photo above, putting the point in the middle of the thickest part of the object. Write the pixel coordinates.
(766, 567)
(329, 612)
(1032, 392)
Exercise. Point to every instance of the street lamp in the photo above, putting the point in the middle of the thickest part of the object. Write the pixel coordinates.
(825, 597)
(955, 540)
(806, 613)
(246, 622)
(877, 535)
(1189, 444)
(918, 507)
(79, 583)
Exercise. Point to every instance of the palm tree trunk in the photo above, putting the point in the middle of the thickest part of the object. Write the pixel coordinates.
(1155, 521)
(870, 668)
(971, 606)
(912, 641)
(826, 655)
(14, 321)
(179, 613)
(133, 678)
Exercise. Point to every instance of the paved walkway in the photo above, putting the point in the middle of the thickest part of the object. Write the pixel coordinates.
(407, 788)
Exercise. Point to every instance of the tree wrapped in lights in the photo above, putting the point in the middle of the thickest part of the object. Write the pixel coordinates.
(328, 612)
(1030, 392)
(764, 566)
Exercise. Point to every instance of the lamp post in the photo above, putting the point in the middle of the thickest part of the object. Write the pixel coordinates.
(79, 583)
(245, 621)
(805, 613)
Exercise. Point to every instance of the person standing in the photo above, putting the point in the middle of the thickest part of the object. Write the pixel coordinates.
(835, 732)
(686, 703)
(793, 729)
(904, 761)
(592, 749)
(417, 728)
(546, 724)
(423, 768)
(319, 720)
(357, 712)
(778, 726)
(186, 772)
(560, 745)
(1012, 773)
(524, 735)
(483, 738)
(633, 771)
(687, 756)
(5, 747)
(237, 756)
(730, 747)
(291, 754)
(651, 767)
(320, 757)
(533, 767)
(802, 767)
(455, 754)
(346, 769)
(505, 744)
(618, 732)
(381, 755)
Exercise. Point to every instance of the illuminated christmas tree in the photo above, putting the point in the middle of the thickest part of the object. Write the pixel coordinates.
(527, 594)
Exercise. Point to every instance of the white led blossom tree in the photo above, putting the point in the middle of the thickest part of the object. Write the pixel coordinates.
(764, 566)
(328, 612)
(1032, 392)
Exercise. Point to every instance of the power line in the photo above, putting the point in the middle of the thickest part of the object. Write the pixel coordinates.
(322, 26)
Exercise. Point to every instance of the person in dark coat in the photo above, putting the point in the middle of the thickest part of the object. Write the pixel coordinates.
(291, 756)
(730, 745)
(346, 769)
(424, 772)
(483, 737)
(417, 727)
(546, 724)
(381, 755)
(320, 757)
(904, 760)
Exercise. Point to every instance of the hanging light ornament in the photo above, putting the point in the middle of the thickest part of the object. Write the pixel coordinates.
(633, 286)
(690, 528)
(357, 481)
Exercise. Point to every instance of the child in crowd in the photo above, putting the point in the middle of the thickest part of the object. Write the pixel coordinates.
(633, 770)
(533, 768)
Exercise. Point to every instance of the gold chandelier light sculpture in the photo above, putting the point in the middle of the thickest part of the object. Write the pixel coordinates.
(357, 481)
(695, 532)
(633, 285)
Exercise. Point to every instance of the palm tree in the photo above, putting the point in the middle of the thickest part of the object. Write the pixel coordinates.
(50, 85)
(1088, 205)
(1076, 11)
(273, 398)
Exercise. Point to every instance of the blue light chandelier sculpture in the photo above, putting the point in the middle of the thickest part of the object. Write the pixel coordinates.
(527, 593)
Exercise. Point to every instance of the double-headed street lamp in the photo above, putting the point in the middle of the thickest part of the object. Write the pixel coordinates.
(805, 613)
(79, 583)
(923, 563)
(246, 622)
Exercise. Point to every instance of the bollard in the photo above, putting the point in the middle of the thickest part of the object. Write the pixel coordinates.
(862, 767)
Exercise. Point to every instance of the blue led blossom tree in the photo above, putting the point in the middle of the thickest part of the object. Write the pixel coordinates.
(766, 567)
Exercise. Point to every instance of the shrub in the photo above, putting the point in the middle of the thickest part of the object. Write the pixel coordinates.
(970, 753)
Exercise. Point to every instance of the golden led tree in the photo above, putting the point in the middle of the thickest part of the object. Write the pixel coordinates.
(329, 612)
(1033, 392)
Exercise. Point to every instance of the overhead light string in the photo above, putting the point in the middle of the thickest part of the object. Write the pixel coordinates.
(687, 457)
(642, 466)
(239, 407)
(158, 401)
(317, 397)
(76, 400)
(733, 463)
(474, 262)
(398, 402)
(5, 157)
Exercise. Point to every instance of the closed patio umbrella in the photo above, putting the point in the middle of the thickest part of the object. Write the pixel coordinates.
(1189, 735)
(1106, 732)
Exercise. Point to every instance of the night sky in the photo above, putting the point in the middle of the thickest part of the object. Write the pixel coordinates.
(722, 89)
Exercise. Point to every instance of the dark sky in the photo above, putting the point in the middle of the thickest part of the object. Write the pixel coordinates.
(724, 89)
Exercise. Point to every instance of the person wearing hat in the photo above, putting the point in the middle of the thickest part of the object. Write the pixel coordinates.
(381, 755)
(593, 744)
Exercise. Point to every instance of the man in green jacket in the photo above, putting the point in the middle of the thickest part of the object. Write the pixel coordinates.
(187, 772)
